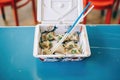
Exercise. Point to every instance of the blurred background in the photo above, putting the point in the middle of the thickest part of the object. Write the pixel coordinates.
(26, 13)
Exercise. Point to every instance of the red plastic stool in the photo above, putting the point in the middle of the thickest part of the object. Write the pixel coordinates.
(101, 5)
(13, 3)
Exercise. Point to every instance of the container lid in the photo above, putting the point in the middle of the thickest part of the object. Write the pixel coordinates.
(58, 11)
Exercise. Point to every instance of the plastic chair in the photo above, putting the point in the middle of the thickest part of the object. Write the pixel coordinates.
(13, 4)
(101, 5)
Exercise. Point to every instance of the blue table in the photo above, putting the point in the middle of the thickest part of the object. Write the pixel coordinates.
(17, 61)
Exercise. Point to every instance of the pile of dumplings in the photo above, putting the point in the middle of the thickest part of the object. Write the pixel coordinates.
(70, 45)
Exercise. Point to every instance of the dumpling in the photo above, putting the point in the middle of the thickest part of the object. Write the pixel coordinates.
(75, 51)
(46, 51)
(73, 37)
(68, 38)
(50, 36)
(46, 44)
(60, 49)
(59, 37)
(43, 37)
(70, 45)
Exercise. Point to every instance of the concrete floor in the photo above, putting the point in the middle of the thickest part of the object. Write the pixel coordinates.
(26, 17)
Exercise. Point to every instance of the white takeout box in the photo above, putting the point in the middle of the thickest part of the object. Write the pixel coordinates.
(60, 13)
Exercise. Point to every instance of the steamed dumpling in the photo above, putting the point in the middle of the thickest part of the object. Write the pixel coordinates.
(43, 37)
(46, 51)
(59, 37)
(50, 36)
(46, 44)
(60, 49)
(73, 37)
(74, 51)
(70, 45)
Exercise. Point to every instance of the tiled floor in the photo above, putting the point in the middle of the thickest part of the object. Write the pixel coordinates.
(26, 18)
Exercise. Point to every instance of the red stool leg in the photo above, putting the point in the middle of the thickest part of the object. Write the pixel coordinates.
(102, 13)
(34, 11)
(116, 8)
(108, 16)
(3, 13)
(14, 8)
(119, 21)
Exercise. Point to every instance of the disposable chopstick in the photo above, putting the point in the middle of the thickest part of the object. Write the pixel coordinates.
(80, 17)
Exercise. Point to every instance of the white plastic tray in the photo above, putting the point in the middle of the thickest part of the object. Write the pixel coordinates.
(69, 57)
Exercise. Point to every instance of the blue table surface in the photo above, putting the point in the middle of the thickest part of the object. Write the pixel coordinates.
(17, 61)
